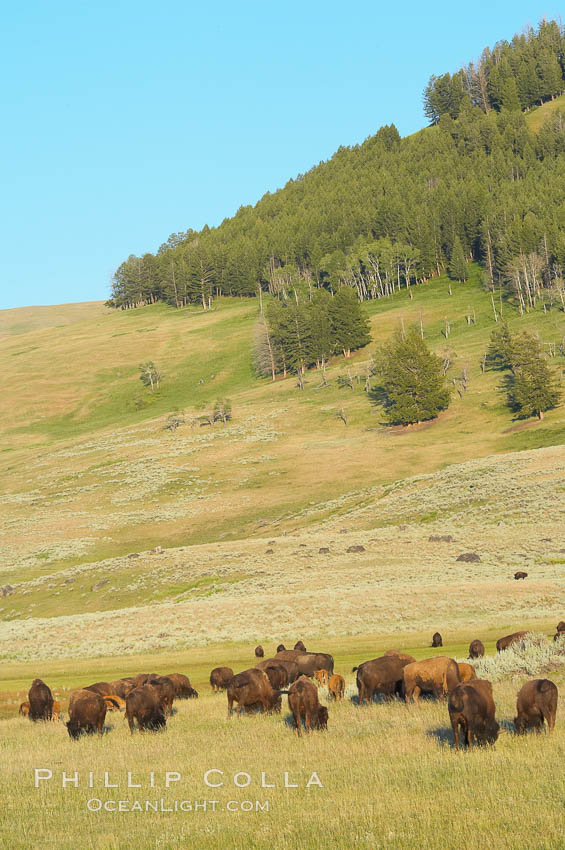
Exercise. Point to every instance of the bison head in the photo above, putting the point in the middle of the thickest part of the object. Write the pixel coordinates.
(323, 717)
(192, 694)
(74, 729)
(491, 731)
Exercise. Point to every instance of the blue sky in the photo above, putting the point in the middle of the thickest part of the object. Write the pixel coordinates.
(126, 121)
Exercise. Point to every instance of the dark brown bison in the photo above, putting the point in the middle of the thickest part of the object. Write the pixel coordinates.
(471, 707)
(277, 676)
(436, 639)
(408, 658)
(476, 649)
(181, 685)
(142, 679)
(299, 645)
(281, 647)
(504, 642)
(40, 701)
(520, 575)
(291, 667)
(252, 689)
(380, 676)
(102, 688)
(122, 687)
(144, 705)
(561, 626)
(308, 662)
(259, 652)
(166, 690)
(87, 712)
(304, 704)
(436, 675)
(220, 677)
(536, 702)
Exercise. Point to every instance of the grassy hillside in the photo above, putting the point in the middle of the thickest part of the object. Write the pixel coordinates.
(89, 474)
(536, 117)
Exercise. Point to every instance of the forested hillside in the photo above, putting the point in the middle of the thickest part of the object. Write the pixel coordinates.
(392, 212)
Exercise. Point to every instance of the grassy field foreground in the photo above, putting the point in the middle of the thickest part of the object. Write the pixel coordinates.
(390, 778)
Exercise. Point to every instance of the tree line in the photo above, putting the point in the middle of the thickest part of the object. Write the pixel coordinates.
(391, 213)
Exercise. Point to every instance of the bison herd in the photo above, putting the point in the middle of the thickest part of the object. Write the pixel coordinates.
(147, 699)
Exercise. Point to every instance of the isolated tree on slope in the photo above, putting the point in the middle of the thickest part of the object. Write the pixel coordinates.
(457, 263)
(412, 380)
(532, 386)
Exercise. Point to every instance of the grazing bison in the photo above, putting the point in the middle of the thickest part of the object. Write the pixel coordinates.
(281, 647)
(220, 677)
(504, 642)
(251, 689)
(166, 690)
(24, 709)
(466, 671)
(299, 645)
(536, 702)
(142, 679)
(291, 667)
(303, 702)
(321, 677)
(181, 684)
(380, 676)
(476, 649)
(438, 675)
(259, 652)
(395, 652)
(102, 688)
(471, 707)
(308, 662)
(436, 639)
(336, 686)
(144, 705)
(56, 715)
(122, 687)
(40, 701)
(520, 575)
(87, 712)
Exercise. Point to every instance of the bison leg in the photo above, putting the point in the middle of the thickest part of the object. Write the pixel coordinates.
(455, 728)
(130, 721)
(230, 706)
(549, 717)
(415, 694)
(298, 721)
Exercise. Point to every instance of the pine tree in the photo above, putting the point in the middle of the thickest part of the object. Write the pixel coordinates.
(532, 387)
(500, 351)
(412, 380)
(457, 263)
(350, 326)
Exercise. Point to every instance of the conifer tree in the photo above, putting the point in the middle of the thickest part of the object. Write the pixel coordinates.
(457, 263)
(412, 380)
(532, 387)
(350, 326)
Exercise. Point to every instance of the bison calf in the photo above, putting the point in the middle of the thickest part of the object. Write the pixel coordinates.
(336, 686)
(471, 707)
(536, 702)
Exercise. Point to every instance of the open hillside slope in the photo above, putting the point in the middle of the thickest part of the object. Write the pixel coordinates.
(90, 476)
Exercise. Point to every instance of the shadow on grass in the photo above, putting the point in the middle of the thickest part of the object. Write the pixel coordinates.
(443, 735)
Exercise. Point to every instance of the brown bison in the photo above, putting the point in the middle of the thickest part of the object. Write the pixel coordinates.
(281, 647)
(471, 707)
(291, 667)
(436, 639)
(259, 652)
(277, 676)
(336, 686)
(122, 687)
(102, 688)
(436, 675)
(87, 712)
(561, 626)
(166, 691)
(476, 649)
(181, 684)
(308, 662)
(252, 689)
(40, 701)
(504, 642)
(144, 705)
(56, 710)
(142, 679)
(220, 677)
(520, 575)
(466, 671)
(24, 709)
(407, 658)
(303, 702)
(299, 645)
(321, 677)
(536, 702)
(380, 676)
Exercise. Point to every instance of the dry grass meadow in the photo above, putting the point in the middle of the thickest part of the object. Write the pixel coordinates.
(91, 483)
